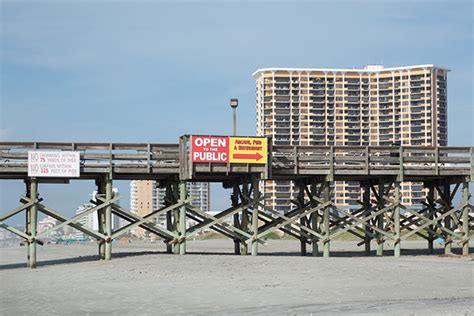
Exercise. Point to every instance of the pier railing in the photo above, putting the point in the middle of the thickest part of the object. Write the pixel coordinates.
(134, 159)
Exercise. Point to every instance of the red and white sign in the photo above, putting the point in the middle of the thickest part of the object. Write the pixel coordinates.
(210, 148)
(54, 164)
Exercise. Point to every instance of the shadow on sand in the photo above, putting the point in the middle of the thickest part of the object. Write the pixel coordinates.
(336, 254)
(346, 254)
(78, 259)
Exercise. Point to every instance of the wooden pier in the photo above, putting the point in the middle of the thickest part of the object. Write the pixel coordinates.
(315, 219)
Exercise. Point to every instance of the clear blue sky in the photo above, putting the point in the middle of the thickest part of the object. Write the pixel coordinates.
(151, 71)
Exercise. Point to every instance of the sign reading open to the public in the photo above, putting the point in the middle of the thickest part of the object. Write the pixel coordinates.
(54, 164)
(226, 149)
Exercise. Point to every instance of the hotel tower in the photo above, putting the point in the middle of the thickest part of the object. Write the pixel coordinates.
(346, 107)
(146, 196)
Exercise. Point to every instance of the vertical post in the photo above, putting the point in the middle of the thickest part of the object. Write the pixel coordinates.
(314, 225)
(175, 212)
(431, 217)
(465, 218)
(27, 222)
(169, 222)
(235, 202)
(101, 218)
(302, 239)
(326, 232)
(303, 219)
(32, 221)
(396, 219)
(256, 196)
(367, 206)
(234, 121)
(447, 220)
(244, 220)
(169, 226)
(182, 218)
(380, 219)
(235, 194)
(108, 219)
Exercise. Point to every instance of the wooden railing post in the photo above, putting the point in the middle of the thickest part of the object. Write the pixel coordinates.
(331, 164)
(400, 161)
(367, 160)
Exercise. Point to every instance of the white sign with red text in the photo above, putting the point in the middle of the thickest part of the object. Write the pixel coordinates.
(54, 164)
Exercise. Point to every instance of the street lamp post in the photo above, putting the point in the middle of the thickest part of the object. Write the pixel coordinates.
(235, 192)
(233, 104)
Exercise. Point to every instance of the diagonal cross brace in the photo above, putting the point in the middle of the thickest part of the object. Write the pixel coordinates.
(146, 219)
(292, 219)
(276, 221)
(130, 219)
(78, 216)
(82, 228)
(218, 220)
(15, 231)
(375, 228)
(357, 221)
(433, 221)
(424, 218)
(18, 209)
(232, 228)
(341, 221)
(267, 219)
(408, 223)
(288, 219)
(217, 228)
(357, 231)
(414, 220)
(362, 220)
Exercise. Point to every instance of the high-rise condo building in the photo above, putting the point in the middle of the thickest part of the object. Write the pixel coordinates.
(363, 107)
(146, 196)
(91, 220)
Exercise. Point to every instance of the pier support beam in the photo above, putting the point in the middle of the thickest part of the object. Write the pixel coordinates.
(235, 202)
(367, 210)
(256, 196)
(108, 218)
(326, 214)
(182, 218)
(301, 202)
(431, 210)
(32, 222)
(465, 218)
(380, 219)
(244, 221)
(175, 215)
(314, 224)
(448, 242)
(396, 219)
(169, 200)
(101, 189)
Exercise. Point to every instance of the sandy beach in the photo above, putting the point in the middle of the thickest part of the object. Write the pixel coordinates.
(142, 279)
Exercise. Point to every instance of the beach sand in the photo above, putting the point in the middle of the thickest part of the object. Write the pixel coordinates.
(142, 279)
